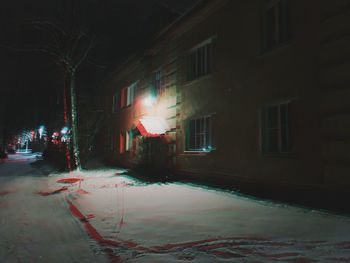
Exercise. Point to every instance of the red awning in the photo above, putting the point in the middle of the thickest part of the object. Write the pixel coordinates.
(152, 126)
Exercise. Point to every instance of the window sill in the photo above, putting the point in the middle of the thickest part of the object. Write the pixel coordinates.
(275, 49)
(126, 107)
(202, 78)
(278, 155)
(196, 153)
(193, 154)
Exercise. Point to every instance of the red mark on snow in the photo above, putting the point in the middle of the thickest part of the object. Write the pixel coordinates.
(93, 232)
(82, 192)
(57, 191)
(211, 245)
(69, 180)
(89, 216)
(4, 193)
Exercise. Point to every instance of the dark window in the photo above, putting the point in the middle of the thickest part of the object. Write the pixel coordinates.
(276, 23)
(275, 121)
(157, 82)
(199, 134)
(199, 60)
(115, 103)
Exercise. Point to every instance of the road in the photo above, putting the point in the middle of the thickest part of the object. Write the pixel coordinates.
(106, 215)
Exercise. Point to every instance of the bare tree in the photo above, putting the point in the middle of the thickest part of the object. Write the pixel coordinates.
(68, 49)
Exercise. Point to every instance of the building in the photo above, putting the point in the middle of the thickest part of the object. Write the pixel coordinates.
(240, 91)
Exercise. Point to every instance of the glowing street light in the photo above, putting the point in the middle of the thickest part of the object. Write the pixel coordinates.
(149, 101)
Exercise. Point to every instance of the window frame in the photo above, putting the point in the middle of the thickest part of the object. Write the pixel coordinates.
(129, 140)
(157, 81)
(199, 60)
(115, 102)
(203, 138)
(127, 95)
(121, 143)
(282, 127)
(281, 25)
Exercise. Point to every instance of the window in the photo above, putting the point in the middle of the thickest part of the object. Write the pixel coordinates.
(199, 134)
(199, 60)
(157, 82)
(115, 103)
(114, 143)
(121, 143)
(127, 95)
(276, 23)
(110, 137)
(128, 140)
(275, 122)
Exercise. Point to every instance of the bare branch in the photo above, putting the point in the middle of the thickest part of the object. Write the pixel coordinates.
(31, 49)
(85, 54)
(50, 25)
(95, 64)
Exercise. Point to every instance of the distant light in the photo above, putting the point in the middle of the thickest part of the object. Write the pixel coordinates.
(149, 101)
(64, 130)
(41, 131)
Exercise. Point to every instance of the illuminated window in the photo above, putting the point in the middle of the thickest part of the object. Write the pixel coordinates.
(127, 95)
(275, 121)
(125, 141)
(199, 60)
(128, 140)
(276, 29)
(199, 137)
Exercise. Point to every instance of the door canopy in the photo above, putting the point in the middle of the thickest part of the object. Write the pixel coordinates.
(152, 126)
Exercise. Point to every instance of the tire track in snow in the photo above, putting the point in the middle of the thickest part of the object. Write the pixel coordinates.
(224, 248)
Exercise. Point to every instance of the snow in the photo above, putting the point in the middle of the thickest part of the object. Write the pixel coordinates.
(129, 220)
(34, 228)
(181, 222)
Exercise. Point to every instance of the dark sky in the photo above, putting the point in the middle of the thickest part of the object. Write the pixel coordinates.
(30, 81)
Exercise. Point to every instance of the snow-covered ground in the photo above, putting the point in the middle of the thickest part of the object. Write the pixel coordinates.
(131, 221)
(33, 228)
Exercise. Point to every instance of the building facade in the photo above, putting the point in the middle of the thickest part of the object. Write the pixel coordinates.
(252, 91)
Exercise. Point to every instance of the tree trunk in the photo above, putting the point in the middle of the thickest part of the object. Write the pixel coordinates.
(66, 119)
(74, 121)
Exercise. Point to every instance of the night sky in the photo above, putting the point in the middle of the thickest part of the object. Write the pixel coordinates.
(30, 82)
